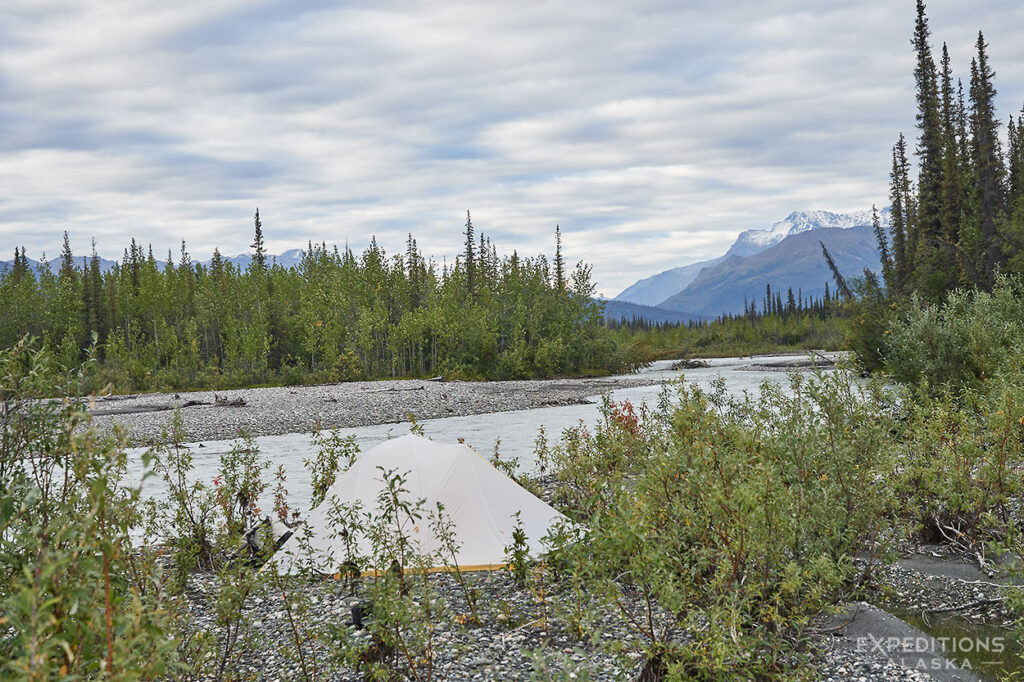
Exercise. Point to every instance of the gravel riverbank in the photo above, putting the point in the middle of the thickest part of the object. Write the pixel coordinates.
(522, 633)
(300, 409)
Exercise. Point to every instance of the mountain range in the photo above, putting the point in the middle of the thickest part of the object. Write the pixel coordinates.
(786, 255)
(286, 260)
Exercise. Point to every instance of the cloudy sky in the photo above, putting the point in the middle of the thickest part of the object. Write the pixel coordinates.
(651, 132)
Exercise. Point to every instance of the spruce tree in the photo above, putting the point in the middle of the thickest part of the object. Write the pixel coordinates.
(67, 263)
(20, 268)
(470, 259)
(1015, 157)
(414, 272)
(259, 254)
(928, 222)
(989, 171)
(559, 262)
(1015, 195)
(98, 312)
(953, 199)
(481, 260)
(901, 218)
(883, 250)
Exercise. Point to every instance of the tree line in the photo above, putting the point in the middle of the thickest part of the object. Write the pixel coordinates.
(961, 220)
(335, 316)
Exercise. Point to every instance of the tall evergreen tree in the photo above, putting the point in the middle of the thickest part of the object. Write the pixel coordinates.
(953, 199)
(482, 255)
(468, 256)
(929, 147)
(901, 218)
(20, 268)
(559, 262)
(259, 253)
(1015, 157)
(97, 312)
(883, 250)
(989, 169)
(67, 262)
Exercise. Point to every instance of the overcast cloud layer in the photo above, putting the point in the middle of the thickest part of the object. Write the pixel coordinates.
(652, 132)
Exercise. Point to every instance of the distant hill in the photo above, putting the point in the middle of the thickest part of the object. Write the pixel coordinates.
(286, 260)
(656, 288)
(624, 310)
(54, 264)
(794, 262)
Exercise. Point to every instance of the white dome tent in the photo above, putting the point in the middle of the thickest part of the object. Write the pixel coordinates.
(479, 501)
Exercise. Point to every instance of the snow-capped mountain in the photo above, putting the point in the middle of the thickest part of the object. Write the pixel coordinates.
(794, 263)
(750, 242)
(286, 259)
(712, 287)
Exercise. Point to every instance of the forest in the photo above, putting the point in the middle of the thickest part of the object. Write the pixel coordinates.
(962, 221)
(335, 317)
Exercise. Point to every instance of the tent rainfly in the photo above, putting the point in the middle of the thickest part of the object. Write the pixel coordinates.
(479, 501)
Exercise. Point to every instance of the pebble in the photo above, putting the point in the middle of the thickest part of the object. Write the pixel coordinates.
(500, 647)
(301, 409)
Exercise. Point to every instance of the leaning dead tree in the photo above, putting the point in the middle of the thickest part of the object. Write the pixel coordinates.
(840, 281)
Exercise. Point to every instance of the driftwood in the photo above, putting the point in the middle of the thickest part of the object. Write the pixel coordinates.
(689, 363)
(218, 401)
(396, 390)
(966, 607)
(224, 402)
(137, 409)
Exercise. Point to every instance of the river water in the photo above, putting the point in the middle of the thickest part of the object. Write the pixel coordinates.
(516, 430)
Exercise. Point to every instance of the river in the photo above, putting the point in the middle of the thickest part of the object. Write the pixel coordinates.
(517, 430)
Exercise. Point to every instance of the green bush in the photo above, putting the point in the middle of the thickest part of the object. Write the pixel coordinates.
(735, 522)
(79, 600)
(961, 461)
(865, 330)
(971, 338)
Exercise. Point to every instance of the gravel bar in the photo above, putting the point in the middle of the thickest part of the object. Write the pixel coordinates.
(518, 627)
(300, 409)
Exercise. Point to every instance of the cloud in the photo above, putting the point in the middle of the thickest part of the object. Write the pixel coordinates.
(651, 132)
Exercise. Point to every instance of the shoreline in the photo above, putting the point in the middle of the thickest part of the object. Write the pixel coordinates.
(300, 409)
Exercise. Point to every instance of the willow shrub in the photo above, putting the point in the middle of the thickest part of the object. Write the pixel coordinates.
(961, 462)
(960, 466)
(961, 344)
(78, 601)
(730, 522)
